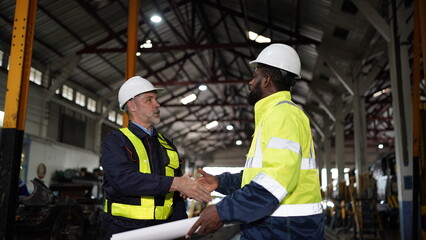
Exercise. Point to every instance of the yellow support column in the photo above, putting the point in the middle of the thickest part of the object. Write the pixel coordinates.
(15, 112)
(132, 44)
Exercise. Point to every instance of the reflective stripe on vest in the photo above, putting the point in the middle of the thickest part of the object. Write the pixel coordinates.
(295, 210)
(147, 210)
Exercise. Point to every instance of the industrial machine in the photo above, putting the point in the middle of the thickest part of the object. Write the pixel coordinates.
(65, 211)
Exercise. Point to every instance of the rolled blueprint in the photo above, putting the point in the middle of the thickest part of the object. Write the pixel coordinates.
(164, 231)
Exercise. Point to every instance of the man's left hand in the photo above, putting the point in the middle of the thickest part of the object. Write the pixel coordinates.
(208, 222)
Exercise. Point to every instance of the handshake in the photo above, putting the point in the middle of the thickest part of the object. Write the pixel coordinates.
(199, 189)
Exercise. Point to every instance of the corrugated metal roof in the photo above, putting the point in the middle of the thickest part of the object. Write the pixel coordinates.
(203, 41)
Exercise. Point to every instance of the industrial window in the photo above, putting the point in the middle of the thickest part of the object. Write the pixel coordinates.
(67, 92)
(112, 116)
(80, 99)
(72, 131)
(91, 105)
(334, 178)
(1, 58)
(119, 119)
(1, 118)
(35, 76)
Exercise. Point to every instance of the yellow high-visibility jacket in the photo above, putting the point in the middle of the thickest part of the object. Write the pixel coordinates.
(281, 160)
(281, 157)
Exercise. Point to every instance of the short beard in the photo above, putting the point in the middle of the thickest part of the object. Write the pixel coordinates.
(252, 98)
(155, 121)
(254, 95)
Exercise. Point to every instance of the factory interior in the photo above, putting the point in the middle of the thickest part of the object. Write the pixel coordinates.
(362, 87)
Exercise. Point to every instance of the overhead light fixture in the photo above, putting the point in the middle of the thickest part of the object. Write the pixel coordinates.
(380, 146)
(138, 54)
(229, 127)
(202, 87)
(147, 44)
(156, 19)
(188, 99)
(212, 124)
(238, 142)
(257, 37)
(252, 35)
(383, 91)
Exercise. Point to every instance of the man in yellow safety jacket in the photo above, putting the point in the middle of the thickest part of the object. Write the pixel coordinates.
(277, 195)
(142, 176)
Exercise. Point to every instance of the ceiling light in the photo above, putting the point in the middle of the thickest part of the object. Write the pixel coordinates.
(229, 127)
(212, 124)
(383, 91)
(202, 87)
(262, 39)
(156, 19)
(147, 44)
(188, 99)
(257, 37)
(380, 146)
(252, 35)
(238, 142)
(138, 54)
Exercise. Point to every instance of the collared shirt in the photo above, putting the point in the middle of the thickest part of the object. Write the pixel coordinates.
(149, 132)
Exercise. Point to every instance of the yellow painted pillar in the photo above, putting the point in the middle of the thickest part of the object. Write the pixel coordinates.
(15, 112)
(132, 44)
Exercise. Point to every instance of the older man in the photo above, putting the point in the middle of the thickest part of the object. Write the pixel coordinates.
(142, 176)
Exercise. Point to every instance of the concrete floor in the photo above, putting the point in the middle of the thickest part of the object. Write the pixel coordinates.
(341, 234)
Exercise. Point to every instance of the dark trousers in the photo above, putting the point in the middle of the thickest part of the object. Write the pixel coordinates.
(285, 228)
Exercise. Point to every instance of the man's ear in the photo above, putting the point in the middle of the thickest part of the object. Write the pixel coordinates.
(130, 106)
(266, 81)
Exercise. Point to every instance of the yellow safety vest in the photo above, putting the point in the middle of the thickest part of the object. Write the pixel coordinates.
(282, 158)
(147, 209)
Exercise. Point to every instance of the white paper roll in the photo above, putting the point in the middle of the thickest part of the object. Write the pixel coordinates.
(164, 231)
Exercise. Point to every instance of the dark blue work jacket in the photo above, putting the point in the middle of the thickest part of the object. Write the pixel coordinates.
(252, 205)
(124, 183)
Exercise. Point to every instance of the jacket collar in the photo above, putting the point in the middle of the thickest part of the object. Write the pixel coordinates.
(139, 132)
(264, 104)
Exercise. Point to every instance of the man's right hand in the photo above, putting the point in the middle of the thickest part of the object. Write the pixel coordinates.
(208, 180)
(191, 188)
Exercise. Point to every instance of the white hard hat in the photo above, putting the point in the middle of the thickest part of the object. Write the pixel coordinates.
(280, 56)
(133, 87)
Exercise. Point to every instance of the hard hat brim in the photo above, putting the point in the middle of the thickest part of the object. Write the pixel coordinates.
(254, 64)
(157, 90)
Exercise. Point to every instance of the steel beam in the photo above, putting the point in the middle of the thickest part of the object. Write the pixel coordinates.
(374, 17)
(401, 104)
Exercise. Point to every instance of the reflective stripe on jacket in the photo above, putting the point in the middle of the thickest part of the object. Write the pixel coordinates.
(147, 210)
(281, 157)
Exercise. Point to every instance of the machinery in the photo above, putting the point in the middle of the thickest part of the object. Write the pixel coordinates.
(65, 211)
(372, 211)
